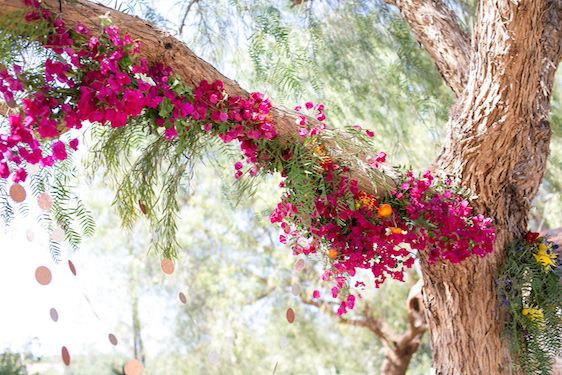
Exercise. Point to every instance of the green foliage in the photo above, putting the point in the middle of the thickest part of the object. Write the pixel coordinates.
(238, 283)
(148, 171)
(231, 266)
(22, 44)
(361, 60)
(280, 54)
(11, 364)
(6, 206)
(531, 293)
(68, 211)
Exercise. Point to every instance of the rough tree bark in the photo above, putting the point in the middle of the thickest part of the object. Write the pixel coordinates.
(435, 28)
(399, 355)
(497, 143)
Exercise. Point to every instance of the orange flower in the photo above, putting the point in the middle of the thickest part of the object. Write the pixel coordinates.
(332, 254)
(367, 200)
(396, 230)
(385, 210)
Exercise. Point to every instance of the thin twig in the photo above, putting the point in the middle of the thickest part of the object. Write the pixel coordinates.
(182, 24)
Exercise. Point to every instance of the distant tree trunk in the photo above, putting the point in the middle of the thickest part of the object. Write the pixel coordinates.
(137, 330)
(138, 345)
(398, 349)
(397, 362)
(397, 357)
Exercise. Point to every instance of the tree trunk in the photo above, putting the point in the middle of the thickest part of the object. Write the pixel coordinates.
(498, 144)
(398, 353)
(397, 363)
(138, 344)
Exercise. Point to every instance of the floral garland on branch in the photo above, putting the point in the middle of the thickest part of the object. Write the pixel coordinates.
(324, 210)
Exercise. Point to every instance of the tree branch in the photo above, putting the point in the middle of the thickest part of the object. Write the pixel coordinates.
(161, 47)
(434, 25)
(4, 108)
(397, 361)
(417, 325)
(295, 3)
(398, 349)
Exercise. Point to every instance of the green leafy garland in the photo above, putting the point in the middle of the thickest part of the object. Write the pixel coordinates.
(531, 293)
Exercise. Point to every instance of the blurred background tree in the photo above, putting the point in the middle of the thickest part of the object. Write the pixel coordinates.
(11, 364)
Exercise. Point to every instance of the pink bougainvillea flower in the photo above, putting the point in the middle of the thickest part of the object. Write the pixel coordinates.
(20, 175)
(73, 144)
(59, 150)
(377, 161)
(170, 133)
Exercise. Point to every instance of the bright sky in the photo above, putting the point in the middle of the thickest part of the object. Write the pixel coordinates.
(26, 303)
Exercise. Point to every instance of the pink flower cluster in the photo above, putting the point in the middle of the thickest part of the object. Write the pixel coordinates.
(423, 219)
(248, 120)
(102, 79)
(381, 235)
(444, 221)
(306, 129)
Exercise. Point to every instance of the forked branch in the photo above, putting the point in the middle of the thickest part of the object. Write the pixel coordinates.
(435, 26)
(399, 349)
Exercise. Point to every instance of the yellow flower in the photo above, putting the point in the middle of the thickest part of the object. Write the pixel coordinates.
(533, 314)
(545, 257)
(319, 150)
(322, 153)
